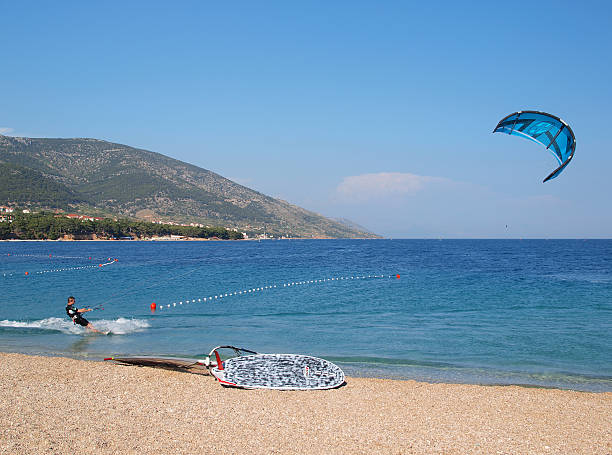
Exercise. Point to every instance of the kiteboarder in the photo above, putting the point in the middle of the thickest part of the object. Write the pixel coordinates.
(76, 315)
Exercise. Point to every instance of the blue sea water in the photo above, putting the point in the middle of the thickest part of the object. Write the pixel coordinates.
(531, 312)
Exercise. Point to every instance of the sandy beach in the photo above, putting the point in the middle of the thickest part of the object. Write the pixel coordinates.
(61, 405)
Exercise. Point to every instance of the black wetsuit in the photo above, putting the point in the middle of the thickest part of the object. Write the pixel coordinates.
(76, 317)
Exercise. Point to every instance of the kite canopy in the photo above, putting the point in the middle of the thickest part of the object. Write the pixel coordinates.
(545, 129)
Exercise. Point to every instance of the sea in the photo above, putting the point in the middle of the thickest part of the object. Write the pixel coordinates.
(536, 313)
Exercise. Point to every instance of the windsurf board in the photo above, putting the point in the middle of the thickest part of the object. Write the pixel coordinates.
(279, 371)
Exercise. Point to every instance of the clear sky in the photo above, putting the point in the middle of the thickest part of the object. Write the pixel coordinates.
(380, 112)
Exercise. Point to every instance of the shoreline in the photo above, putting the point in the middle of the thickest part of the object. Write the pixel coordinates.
(65, 405)
(307, 238)
(482, 382)
(122, 241)
(162, 239)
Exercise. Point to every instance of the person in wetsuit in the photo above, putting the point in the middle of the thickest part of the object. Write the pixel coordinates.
(76, 315)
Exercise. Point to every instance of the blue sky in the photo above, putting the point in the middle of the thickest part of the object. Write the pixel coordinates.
(380, 112)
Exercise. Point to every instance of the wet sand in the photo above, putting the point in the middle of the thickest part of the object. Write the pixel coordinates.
(58, 406)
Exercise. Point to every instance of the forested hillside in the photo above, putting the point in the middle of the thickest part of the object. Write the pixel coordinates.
(100, 177)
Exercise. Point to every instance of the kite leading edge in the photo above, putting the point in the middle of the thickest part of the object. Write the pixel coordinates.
(545, 129)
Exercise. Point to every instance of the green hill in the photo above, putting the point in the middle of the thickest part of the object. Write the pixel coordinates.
(100, 177)
(21, 185)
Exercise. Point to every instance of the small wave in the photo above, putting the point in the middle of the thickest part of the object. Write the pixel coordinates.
(364, 360)
(121, 326)
(52, 324)
(585, 278)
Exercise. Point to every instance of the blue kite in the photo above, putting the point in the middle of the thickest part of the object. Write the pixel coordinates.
(545, 129)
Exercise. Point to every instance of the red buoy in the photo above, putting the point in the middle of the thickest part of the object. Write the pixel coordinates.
(99, 265)
(153, 307)
(27, 273)
(397, 276)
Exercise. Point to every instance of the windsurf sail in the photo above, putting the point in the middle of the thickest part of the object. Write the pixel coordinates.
(198, 366)
(167, 363)
(545, 129)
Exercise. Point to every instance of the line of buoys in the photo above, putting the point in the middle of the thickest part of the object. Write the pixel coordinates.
(65, 269)
(54, 256)
(211, 298)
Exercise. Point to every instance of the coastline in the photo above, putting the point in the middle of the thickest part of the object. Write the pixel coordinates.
(160, 239)
(63, 405)
(164, 239)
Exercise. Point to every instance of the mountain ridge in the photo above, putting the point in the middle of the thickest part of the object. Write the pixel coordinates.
(111, 178)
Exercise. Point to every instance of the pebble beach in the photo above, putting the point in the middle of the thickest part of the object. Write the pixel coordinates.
(55, 405)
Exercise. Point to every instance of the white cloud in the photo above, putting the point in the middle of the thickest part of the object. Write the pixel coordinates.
(409, 205)
(384, 184)
(6, 130)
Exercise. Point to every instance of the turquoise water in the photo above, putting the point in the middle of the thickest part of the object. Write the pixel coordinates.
(531, 312)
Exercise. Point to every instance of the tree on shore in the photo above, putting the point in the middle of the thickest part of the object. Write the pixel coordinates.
(42, 226)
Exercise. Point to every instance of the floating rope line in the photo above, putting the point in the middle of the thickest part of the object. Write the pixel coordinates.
(63, 269)
(223, 295)
(53, 256)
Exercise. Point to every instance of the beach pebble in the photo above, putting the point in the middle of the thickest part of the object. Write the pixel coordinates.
(132, 410)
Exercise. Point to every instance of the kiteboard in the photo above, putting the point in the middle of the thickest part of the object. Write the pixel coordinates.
(278, 371)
